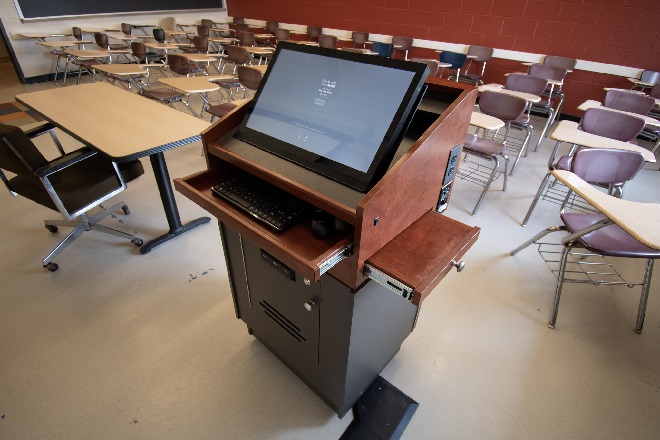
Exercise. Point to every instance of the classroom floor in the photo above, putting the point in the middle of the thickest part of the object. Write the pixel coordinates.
(118, 345)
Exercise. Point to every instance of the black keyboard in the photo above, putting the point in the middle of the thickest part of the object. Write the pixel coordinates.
(267, 203)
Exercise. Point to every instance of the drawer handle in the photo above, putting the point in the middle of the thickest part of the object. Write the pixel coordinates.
(460, 265)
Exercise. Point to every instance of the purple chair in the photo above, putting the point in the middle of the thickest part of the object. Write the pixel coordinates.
(507, 108)
(478, 54)
(600, 122)
(563, 62)
(554, 73)
(535, 86)
(629, 102)
(595, 232)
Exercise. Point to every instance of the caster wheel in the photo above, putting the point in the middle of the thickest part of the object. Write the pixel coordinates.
(52, 266)
(137, 242)
(52, 228)
(126, 210)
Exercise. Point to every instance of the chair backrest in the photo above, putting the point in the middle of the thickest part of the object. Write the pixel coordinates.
(629, 102)
(457, 60)
(526, 83)
(433, 64)
(101, 40)
(563, 62)
(314, 32)
(237, 54)
(606, 166)
(238, 20)
(502, 106)
(77, 33)
(328, 41)
(547, 72)
(481, 54)
(207, 22)
(384, 50)
(611, 124)
(178, 64)
(655, 91)
(650, 77)
(282, 34)
(249, 77)
(271, 26)
(203, 31)
(201, 43)
(159, 35)
(360, 37)
(126, 28)
(139, 51)
(246, 39)
(167, 23)
(405, 43)
(242, 27)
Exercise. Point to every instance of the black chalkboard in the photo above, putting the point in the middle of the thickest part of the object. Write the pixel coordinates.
(34, 9)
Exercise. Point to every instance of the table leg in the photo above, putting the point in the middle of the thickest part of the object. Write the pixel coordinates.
(169, 204)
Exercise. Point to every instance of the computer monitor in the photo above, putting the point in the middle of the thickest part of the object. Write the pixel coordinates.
(341, 114)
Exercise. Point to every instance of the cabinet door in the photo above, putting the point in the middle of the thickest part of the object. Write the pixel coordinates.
(284, 309)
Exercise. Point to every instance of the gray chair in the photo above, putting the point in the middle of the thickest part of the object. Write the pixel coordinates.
(508, 109)
(647, 80)
(600, 122)
(403, 44)
(596, 233)
(72, 184)
(328, 41)
(360, 38)
(480, 55)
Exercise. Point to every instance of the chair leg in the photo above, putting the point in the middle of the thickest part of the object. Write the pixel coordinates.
(496, 168)
(70, 238)
(645, 296)
(537, 237)
(560, 284)
(530, 130)
(536, 198)
(545, 129)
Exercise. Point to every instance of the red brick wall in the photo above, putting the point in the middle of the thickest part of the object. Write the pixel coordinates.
(620, 32)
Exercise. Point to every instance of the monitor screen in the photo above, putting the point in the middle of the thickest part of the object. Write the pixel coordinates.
(339, 113)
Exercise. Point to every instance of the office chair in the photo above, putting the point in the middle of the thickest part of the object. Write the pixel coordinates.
(596, 121)
(72, 184)
(595, 233)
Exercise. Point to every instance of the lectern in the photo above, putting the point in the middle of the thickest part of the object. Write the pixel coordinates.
(336, 310)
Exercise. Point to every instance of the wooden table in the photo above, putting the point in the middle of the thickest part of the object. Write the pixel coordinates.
(124, 126)
(638, 219)
(568, 131)
(590, 103)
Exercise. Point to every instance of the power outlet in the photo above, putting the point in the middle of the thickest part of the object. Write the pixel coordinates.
(452, 164)
(443, 201)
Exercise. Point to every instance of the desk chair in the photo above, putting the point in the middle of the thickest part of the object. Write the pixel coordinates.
(238, 20)
(142, 56)
(314, 32)
(403, 44)
(72, 184)
(181, 66)
(384, 50)
(167, 23)
(328, 41)
(478, 54)
(241, 27)
(126, 29)
(646, 80)
(433, 64)
(119, 49)
(246, 39)
(551, 73)
(634, 103)
(236, 55)
(271, 26)
(282, 35)
(562, 62)
(159, 35)
(600, 122)
(535, 86)
(250, 79)
(200, 44)
(507, 108)
(360, 38)
(596, 233)
(452, 61)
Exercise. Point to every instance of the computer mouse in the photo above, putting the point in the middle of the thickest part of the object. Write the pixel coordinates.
(323, 224)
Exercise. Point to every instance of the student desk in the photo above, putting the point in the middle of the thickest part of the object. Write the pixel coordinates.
(590, 103)
(501, 89)
(201, 85)
(336, 310)
(568, 131)
(124, 126)
(638, 219)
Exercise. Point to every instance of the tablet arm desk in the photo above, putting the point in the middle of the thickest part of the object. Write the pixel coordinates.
(336, 310)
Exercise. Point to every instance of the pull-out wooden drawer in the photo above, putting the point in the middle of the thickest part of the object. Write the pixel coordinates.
(415, 261)
(296, 247)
